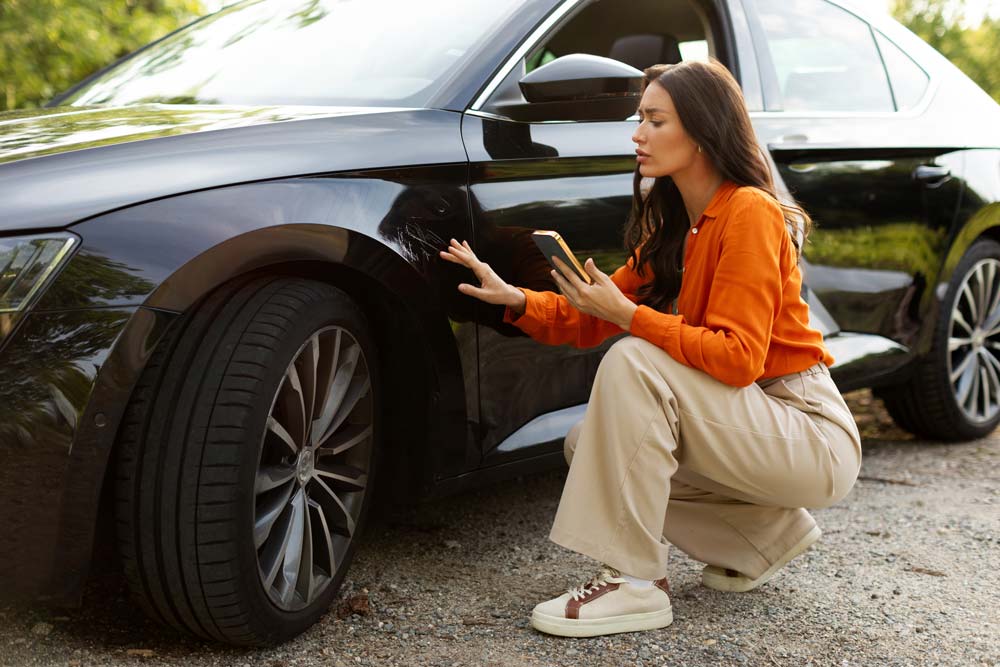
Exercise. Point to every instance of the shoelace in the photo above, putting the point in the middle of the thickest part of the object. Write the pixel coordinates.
(607, 575)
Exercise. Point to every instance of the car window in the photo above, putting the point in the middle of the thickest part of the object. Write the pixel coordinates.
(908, 79)
(651, 32)
(308, 52)
(694, 50)
(540, 57)
(825, 57)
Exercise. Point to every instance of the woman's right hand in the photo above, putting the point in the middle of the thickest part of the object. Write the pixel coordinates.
(492, 288)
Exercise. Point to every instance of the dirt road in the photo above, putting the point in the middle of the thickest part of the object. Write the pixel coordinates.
(908, 573)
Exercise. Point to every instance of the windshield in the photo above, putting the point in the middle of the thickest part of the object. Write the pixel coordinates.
(311, 52)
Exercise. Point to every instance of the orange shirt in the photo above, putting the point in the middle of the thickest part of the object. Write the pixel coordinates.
(742, 316)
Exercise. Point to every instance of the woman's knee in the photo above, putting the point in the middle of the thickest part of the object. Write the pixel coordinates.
(627, 347)
(625, 357)
(635, 352)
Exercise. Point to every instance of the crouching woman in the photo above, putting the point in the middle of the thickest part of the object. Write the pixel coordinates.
(716, 422)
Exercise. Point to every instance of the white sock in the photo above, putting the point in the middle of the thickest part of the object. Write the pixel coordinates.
(641, 583)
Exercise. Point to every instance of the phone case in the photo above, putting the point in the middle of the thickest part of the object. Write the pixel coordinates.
(550, 243)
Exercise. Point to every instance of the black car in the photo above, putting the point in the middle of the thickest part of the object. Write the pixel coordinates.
(224, 321)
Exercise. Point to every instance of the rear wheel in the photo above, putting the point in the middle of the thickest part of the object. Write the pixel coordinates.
(246, 460)
(955, 392)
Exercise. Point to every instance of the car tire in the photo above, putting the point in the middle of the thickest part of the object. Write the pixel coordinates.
(237, 511)
(954, 394)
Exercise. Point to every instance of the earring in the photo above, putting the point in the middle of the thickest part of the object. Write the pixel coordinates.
(699, 149)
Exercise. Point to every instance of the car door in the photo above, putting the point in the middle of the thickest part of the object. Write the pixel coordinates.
(850, 144)
(550, 184)
(572, 177)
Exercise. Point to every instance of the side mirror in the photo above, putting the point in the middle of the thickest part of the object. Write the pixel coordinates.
(577, 87)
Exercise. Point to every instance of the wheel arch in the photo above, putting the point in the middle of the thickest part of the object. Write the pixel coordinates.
(992, 232)
(984, 223)
(412, 390)
(414, 339)
(386, 288)
(426, 390)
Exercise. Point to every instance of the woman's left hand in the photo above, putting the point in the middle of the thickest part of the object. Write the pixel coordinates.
(601, 298)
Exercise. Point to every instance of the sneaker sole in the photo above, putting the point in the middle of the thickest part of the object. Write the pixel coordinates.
(717, 579)
(593, 627)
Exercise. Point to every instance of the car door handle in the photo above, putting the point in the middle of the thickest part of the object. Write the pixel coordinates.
(932, 175)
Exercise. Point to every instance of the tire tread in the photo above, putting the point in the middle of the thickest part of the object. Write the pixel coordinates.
(177, 439)
(925, 405)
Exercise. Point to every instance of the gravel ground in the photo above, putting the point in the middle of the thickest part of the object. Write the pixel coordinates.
(908, 573)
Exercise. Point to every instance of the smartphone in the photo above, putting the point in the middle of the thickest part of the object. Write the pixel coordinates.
(550, 243)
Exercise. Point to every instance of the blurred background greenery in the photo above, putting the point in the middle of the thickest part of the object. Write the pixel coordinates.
(967, 32)
(47, 45)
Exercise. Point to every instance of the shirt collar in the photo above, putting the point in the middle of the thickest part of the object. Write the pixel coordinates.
(720, 198)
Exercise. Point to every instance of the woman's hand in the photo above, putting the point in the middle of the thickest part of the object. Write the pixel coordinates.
(602, 298)
(492, 287)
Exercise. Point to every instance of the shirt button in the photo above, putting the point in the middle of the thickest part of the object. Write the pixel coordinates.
(694, 230)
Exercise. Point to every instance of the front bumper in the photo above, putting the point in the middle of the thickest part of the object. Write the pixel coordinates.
(65, 378)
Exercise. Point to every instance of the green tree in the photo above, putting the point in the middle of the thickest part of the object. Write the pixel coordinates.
(48, 45)
(974, 49)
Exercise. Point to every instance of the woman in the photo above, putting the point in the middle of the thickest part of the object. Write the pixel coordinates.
(716, 422)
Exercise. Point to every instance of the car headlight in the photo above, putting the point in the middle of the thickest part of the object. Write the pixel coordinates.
(26, 265)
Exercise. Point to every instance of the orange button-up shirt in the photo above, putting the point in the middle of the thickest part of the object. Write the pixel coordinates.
(741, 314)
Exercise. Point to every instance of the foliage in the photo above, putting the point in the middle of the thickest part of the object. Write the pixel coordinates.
(974, 49)
(48, 45)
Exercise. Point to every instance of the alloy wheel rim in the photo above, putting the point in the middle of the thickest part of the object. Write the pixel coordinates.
(312, 474)
(974, 343)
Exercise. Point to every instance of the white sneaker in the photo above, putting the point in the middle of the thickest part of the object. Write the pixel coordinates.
(605, 605)
(731, 581)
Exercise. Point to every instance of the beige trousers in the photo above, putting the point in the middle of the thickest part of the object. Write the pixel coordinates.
(667, 453)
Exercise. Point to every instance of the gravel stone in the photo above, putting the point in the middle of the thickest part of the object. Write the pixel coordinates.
(41, 629)
(907, 574)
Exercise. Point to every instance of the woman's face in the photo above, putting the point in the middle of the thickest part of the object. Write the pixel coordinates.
(663, 147)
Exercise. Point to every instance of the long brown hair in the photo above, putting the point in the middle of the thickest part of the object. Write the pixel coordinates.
(711, 108)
